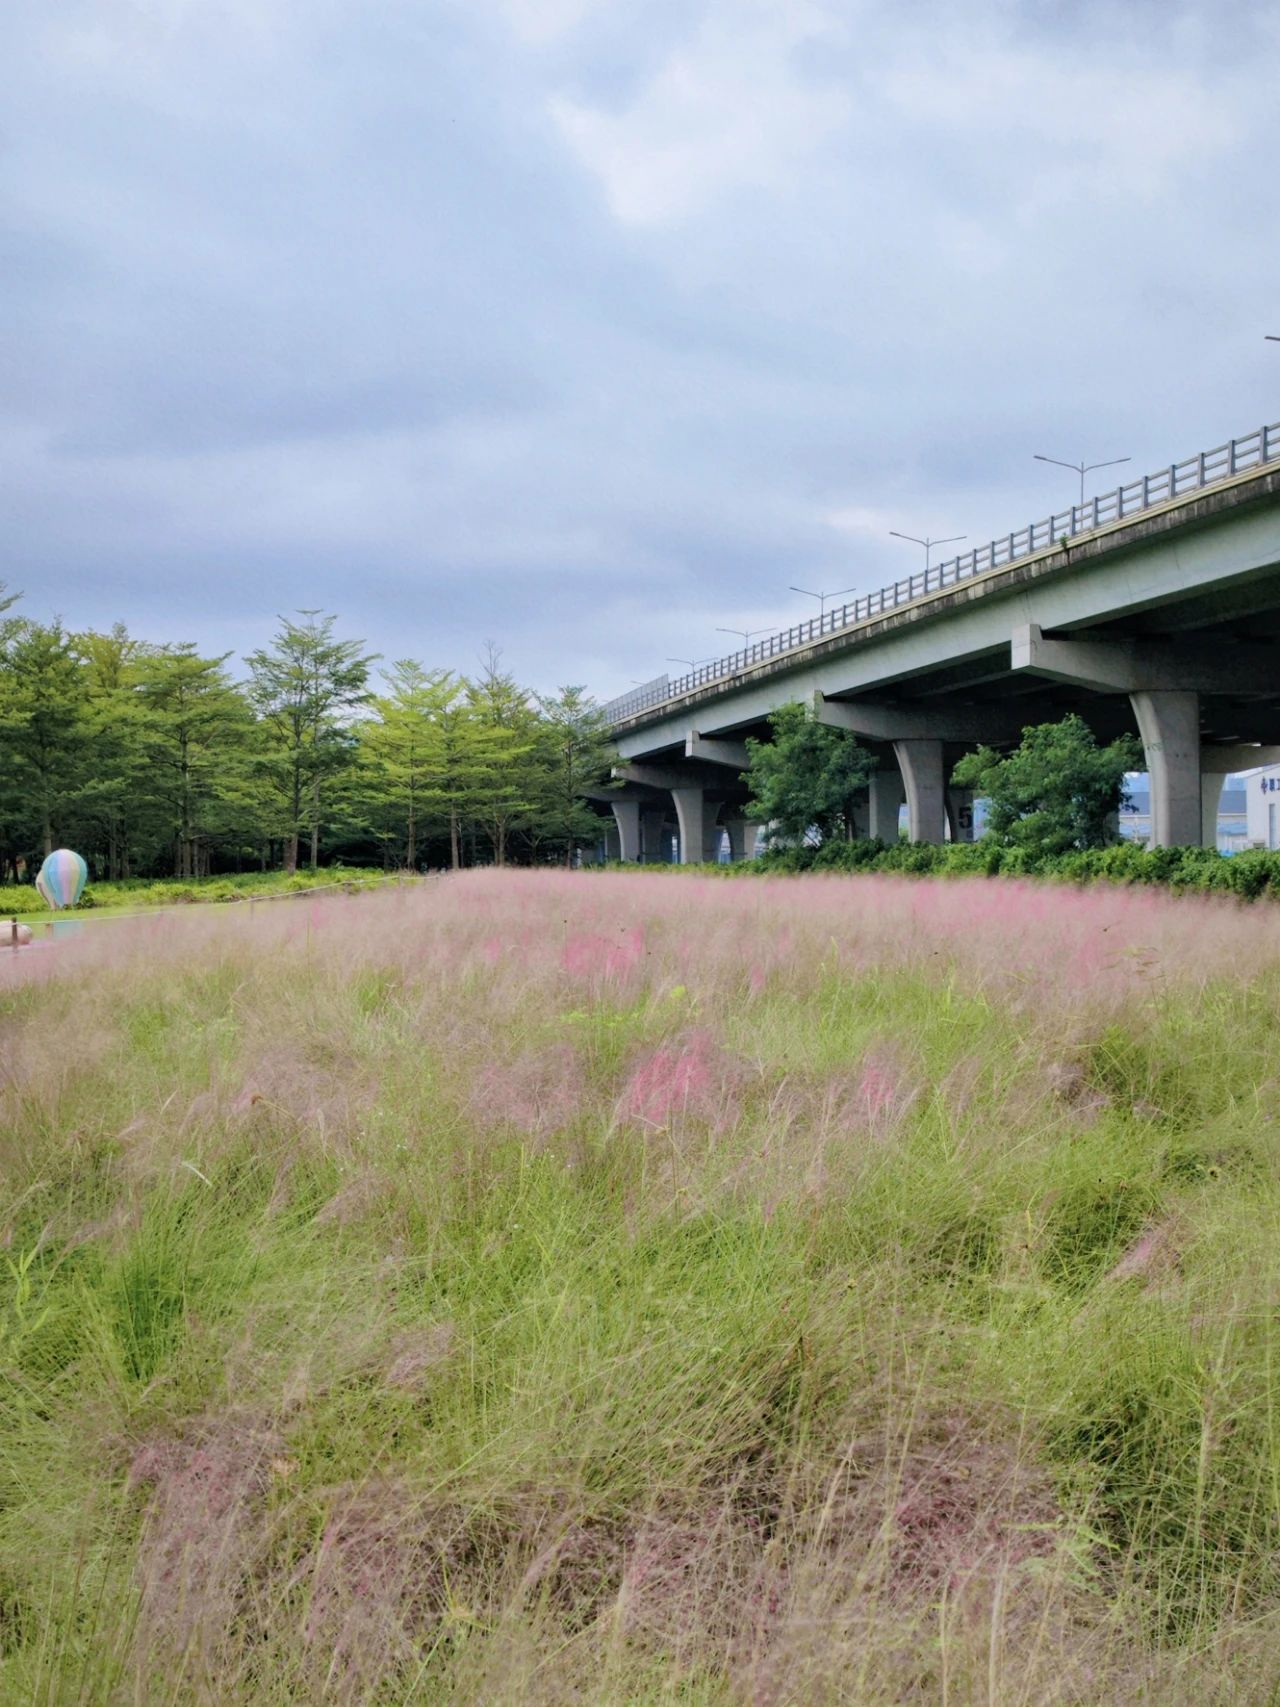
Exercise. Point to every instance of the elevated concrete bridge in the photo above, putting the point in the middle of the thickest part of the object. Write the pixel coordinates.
(1154, 609)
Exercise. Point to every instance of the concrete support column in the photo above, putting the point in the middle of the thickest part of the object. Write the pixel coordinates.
(921, 765)
(691, 814)
(884, 804)
(711, 840)
(612, 842)
(653, 836)
(742, 833)
(862, 816)
(1210, 802)
(627, 818)
(960, 814)
(1169, 724)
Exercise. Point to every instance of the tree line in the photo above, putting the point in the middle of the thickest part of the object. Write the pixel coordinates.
(153, 759)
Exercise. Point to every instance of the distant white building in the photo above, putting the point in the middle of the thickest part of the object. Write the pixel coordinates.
(1262, 806)
(1234, 831)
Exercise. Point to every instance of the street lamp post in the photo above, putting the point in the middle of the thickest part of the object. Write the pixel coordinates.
(1082, 468)
(691, 662)
(821, 598)
(746, 635)
(928, 544)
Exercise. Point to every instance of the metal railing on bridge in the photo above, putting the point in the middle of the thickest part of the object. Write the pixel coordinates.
(1207, 468)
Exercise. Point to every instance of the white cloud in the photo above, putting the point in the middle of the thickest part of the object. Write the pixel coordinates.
(542, 21)
(860, 520)
(1125, 127)
(764, 91)
(730, 110)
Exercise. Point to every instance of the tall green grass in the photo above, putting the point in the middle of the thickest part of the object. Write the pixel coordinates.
(534, 1288)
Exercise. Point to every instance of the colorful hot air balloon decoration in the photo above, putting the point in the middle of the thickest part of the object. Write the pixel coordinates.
(62, 878)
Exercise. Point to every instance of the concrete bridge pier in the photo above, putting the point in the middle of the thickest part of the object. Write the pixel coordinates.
(743, 834)
(692, 816)
(884, 805)
(920, 762)
(917, 735)
(655, 839)
(696, 794)
(1169, 725)
(626, 815)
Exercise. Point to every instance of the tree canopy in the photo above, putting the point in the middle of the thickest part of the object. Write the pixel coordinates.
(153, 759)
(1058, 790)
(807, 778)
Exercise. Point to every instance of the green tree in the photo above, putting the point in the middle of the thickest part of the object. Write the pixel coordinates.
(306, 689)
(577, 752)
(807, 777)
(13, 816)
(8, 624)
(455, 758)
(509, 768)
(115, 806)
(1056, 790)
(198, 737)
(44, 715)
(398, 750)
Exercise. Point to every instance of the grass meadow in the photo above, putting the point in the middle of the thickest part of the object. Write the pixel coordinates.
(534, 1287)
(130, 894)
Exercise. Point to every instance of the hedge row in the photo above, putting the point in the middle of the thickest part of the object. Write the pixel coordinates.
(1250, 874)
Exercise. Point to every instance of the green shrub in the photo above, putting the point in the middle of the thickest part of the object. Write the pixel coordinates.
(1250, 875)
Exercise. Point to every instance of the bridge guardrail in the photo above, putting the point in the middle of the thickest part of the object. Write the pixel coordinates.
(1206, 468)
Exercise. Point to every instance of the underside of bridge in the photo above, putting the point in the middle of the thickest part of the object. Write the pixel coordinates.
(1168, 629)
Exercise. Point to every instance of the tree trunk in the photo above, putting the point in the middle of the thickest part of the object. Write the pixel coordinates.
(455, 842)
(291, 840)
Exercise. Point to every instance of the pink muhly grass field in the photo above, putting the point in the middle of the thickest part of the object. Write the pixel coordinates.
(535, 1286)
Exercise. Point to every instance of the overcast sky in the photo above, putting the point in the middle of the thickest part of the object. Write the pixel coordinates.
(586, 325)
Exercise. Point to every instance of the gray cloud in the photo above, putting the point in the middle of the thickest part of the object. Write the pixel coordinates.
(587, 324)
